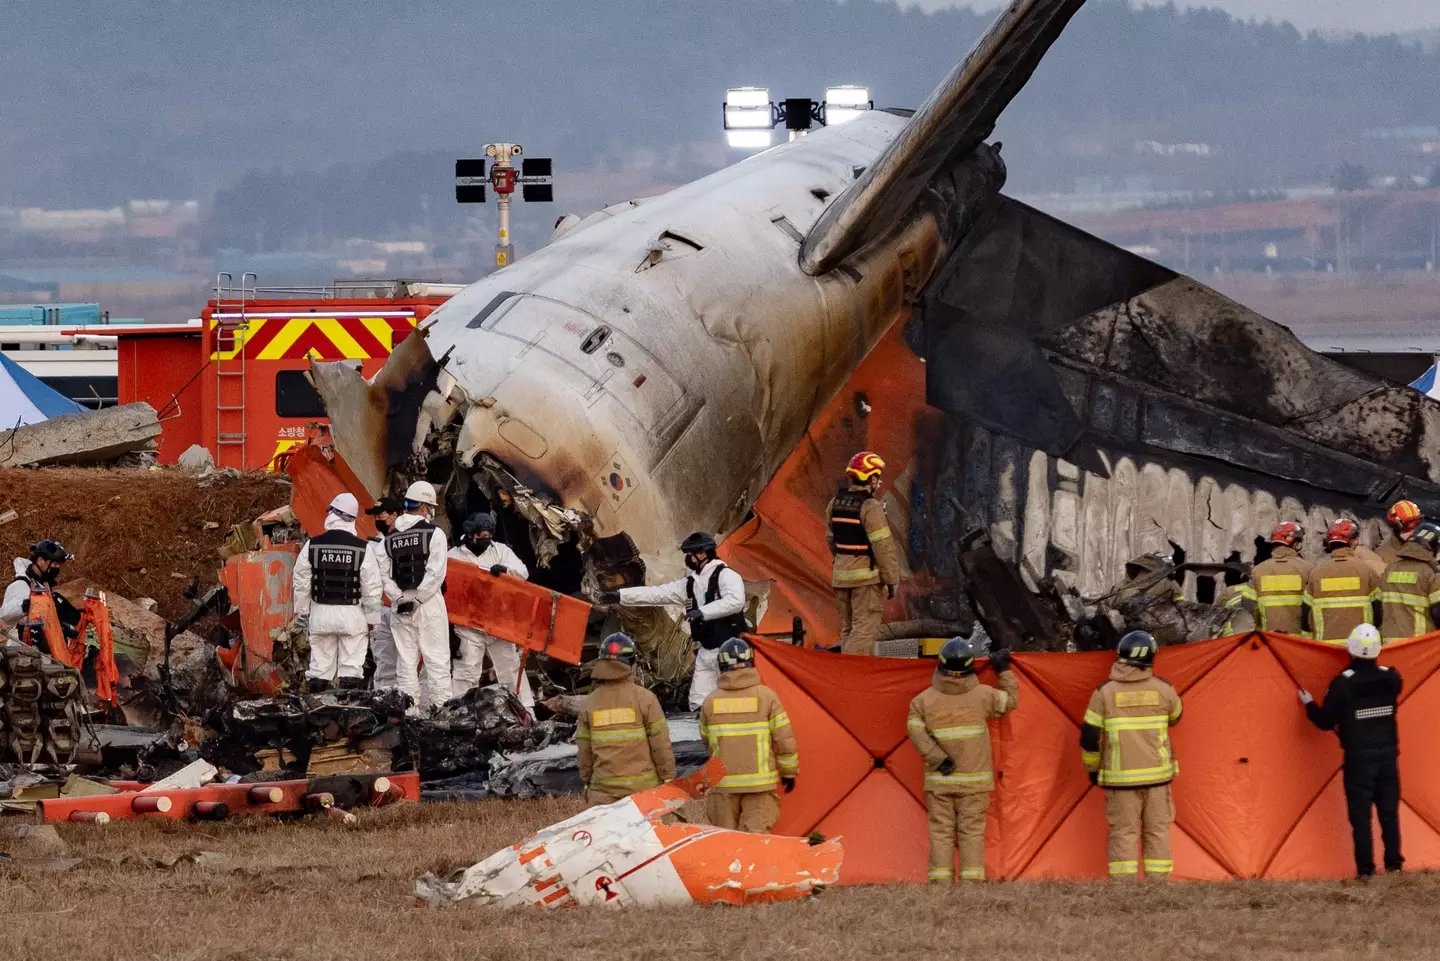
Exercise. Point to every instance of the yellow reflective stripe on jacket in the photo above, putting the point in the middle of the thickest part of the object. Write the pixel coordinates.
(862, 574)
(779, 721)
(960, 732)
(655, 727)
(1418, 601)
(760, 779)
(1243, 592)
(883, 534)
(1144, 775)
(789, 764)
(1114, 773)
(915, 723)
(1154, 722)
(1319, 605)
(615, 737)
(1094, 719)
(1091, 759)
(629, 782)
(1402, 577)
(936, 779)
(1434, 597)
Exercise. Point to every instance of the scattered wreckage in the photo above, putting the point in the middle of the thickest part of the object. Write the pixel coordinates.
(627, 854)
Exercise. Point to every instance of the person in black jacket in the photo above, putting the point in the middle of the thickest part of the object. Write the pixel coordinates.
(1360, 706)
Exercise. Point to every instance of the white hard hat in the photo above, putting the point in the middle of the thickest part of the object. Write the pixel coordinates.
(1364, 642)
(421, 492)
(346, 505)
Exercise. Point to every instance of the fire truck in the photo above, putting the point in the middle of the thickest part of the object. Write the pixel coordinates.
(235, 381)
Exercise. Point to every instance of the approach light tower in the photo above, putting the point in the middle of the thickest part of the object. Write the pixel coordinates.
(751, 116)
(534, 178)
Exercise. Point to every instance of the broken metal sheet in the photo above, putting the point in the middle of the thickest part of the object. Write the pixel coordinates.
(624, 855)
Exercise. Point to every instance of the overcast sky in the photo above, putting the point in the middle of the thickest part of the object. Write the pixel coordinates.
(1370, 16)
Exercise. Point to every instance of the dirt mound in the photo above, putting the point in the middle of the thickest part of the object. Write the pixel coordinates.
(139, 533)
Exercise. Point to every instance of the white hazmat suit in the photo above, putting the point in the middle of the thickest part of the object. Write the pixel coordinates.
(338, 631)
(382, 644)
(475, 643)
(421, 634)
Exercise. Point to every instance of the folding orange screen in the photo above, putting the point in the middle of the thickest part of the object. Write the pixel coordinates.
(1258, 796)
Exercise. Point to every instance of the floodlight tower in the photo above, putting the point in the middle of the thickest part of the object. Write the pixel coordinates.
(534, 178)
(751, 116)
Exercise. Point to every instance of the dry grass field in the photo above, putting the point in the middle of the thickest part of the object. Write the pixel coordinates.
(304, 890)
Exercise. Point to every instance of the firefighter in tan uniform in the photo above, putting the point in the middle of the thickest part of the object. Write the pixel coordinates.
(1341, 592)
(1276, 592)
(1403, 517)
(867, 559)
(745, 725)
(1410, 590)
(1125, 744)
(623, 738)
(949, 727)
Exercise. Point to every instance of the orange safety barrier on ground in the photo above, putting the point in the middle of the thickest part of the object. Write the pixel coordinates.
(261, 586)
(1259, 793)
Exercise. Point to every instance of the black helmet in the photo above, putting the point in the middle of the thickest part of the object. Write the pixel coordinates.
(699, 543)
(735, 654)
(478, 522)
(1427, 535)
(1137, 649)
(618, 647)
(52, 551)
(957, 657)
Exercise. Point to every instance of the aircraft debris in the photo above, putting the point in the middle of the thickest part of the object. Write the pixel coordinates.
(625, 855)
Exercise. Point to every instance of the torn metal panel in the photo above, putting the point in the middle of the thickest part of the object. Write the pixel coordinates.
(624, 855)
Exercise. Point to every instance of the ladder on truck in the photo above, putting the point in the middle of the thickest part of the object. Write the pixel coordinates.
(232, 331)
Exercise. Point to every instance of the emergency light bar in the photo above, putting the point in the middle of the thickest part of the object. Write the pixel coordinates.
(750, 115)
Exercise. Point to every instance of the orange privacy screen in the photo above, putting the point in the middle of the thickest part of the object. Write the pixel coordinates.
(1259, 793)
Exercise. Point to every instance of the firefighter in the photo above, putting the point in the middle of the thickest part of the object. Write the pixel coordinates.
(713, 596)
(1276, 592)
(867, 561)
(948, 727)
(1360, 705)
(478, 546)
(745, 725)
(622, 736)
(1125, 744)
(39, 572)
(1340, 592)
(336, 578)
(1403, 517)
(1410, 590)
(1149, 575)
(413, 566)
(382, 642)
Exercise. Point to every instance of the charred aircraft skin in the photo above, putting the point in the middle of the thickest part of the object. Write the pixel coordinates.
(647, 373)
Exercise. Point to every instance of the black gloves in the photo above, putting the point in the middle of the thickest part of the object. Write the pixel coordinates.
(890, 591)
(1095, 778)
(25, 606)
(498, 569)
(694, 616)
(947, 766)
(609, 597)
(405, 607)
(788, 783)
(1000, 660)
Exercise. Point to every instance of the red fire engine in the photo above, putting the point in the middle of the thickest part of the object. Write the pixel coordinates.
(235, 381)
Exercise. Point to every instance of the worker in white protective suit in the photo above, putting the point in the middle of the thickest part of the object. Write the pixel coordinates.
(336, 579)
(413, 567)
(37, 573)
(478, 546)
(382, 643)
(713, 597)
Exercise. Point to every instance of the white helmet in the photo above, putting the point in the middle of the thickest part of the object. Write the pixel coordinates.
(346, 506)
(1364, 642)
(421, 492)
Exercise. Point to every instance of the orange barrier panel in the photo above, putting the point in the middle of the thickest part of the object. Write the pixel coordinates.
(261, 585)
(785, 540)
(531, 616)
(317, 479)
(1258, 796)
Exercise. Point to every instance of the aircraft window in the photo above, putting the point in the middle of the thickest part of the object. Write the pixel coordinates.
(671, 235)
(596, 337)
(490, 308)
